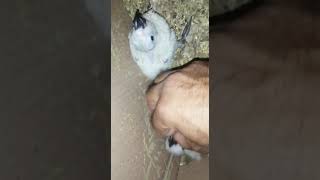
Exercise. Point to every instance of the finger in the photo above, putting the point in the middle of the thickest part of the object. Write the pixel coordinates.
(153, 95)
(154, 91)
(159, 126)
(163, 76)
(187, 144)
(184, 142)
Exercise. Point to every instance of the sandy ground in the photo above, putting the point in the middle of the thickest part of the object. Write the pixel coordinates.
(195, 170)
(137, 152)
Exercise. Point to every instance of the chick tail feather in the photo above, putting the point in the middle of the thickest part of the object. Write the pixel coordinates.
(185, 33)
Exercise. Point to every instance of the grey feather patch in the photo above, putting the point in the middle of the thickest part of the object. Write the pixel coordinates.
(186, 30)
(138, 20)
(184, 34)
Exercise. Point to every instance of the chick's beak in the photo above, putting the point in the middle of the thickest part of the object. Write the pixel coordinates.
(138, 20)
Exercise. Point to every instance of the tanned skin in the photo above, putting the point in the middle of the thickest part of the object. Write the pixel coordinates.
(179, 102)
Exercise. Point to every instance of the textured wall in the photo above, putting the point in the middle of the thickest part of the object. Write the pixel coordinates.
(137, 153)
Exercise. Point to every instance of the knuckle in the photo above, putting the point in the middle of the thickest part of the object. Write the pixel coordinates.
(162, 110)
(157, 123)
(175, 79)
(152, 96)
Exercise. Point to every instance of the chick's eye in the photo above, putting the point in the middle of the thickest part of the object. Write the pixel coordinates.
(152, 38)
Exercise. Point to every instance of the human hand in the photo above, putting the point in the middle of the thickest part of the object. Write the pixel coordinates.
(179, 102)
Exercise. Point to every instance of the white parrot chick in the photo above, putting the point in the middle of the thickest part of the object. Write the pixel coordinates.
(153, 43)
(176, 149)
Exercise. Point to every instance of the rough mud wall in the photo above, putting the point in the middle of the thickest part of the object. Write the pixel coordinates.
(177, 13)
(137, 153)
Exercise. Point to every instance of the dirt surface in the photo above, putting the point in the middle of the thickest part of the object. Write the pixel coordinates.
(195, 170)
(137, 152)
(52, 92)
(266, 98)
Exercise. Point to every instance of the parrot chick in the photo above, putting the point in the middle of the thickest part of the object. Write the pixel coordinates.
(153, 43)
(176, 149)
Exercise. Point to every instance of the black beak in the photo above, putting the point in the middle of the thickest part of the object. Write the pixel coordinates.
(138, 20)
(172, 141)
